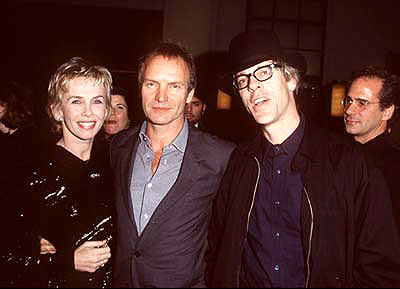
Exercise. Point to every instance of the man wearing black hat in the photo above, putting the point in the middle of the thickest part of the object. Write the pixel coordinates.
(297, 206)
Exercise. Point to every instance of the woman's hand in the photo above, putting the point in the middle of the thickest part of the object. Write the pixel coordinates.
(3, 128)
(46, 247)
(91, 255)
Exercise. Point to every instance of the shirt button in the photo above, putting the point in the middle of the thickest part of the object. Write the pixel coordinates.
(276, 268)
(150, 185)
(277, 203)
(278, 172)
(146, 216)
(277, 235)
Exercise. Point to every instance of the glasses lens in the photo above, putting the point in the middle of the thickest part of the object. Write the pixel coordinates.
(263, 73)
(241, 81)
(346, 101)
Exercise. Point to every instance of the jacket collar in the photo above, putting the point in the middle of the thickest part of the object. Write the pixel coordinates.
(309, 152)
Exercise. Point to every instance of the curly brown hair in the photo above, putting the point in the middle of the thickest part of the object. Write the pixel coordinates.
(15, 99)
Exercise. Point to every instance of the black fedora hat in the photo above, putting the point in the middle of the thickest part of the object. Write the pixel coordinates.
(254, 46)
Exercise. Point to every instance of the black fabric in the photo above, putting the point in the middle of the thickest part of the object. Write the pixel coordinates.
(67, 201)
(18, 152)
(386, 156)
(348, 233)
(257, 45)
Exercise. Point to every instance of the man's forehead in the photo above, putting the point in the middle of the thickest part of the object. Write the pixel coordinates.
(365, 82)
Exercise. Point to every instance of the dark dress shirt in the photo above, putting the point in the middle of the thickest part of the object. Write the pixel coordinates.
(273, 254)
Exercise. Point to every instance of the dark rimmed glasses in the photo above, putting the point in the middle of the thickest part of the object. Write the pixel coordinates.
(263, 73)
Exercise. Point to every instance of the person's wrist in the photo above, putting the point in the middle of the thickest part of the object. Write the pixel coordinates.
(5, 131)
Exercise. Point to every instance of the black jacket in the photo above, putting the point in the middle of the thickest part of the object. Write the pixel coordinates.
(170, 251)
(386, 156)
(348, 232)
(68, 202)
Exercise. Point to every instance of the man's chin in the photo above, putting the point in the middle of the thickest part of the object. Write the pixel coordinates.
(350, 129)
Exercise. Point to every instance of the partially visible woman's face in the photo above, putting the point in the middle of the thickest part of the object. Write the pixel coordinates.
(119, 119)
(2, 110)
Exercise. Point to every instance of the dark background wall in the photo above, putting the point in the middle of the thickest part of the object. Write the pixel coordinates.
(39, 35)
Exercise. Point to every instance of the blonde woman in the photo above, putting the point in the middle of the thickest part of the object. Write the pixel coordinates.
(70, 189)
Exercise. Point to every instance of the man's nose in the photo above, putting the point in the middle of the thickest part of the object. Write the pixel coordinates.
(254, 84)
(162, 95)
(351, 108)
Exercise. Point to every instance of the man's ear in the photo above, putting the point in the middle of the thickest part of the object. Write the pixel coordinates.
(388, 112)
(190, 96)
(292, 84)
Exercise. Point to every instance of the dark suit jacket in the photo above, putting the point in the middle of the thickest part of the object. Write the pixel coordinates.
(170, 251)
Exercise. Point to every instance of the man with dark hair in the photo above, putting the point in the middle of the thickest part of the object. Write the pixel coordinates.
(370, 103)
(195, 110)
(370, 107)
(297, 207)
(166, 176)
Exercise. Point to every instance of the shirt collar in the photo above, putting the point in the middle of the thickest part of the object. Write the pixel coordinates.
(179, 143)
(290, 146)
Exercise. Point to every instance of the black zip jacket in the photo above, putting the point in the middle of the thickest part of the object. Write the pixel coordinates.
(348, 231)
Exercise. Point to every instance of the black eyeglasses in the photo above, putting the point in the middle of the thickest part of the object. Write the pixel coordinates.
(361, 104)
(262, 73)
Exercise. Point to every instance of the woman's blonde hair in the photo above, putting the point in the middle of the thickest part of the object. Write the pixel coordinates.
(74, 68)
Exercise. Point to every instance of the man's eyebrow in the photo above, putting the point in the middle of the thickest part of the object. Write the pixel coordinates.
(358, 98)
(177, 82)
(148, 79)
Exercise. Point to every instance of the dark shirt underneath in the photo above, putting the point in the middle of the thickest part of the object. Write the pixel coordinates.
(273, 254)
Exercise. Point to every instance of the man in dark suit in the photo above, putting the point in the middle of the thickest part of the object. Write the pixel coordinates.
(166, 176)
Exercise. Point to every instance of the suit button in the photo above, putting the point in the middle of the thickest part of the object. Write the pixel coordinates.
(138, 254)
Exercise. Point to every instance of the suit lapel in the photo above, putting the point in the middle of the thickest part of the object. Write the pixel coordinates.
(126, 175)
(188, 175)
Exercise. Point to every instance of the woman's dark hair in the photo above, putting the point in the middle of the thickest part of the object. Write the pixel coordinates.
(15, 99)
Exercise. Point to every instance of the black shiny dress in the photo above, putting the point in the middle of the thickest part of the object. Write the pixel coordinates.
(70, 204)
